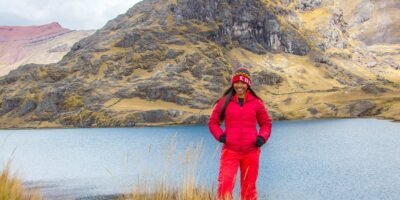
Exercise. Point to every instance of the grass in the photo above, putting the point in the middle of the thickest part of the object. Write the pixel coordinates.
(11, 187)
(164, 189)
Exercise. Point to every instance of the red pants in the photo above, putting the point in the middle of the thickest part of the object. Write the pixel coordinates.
(229, 164)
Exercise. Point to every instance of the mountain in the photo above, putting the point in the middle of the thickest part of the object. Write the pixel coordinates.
(371, 21)
(42, 44)
(375, 24)
(166, 62)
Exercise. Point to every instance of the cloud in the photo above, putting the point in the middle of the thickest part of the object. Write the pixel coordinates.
(73, 14)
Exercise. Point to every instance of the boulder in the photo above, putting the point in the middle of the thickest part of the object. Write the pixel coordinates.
(359, 108)
(173, 53)
(196, 119)
(276, 115)
(153, 116)
(51, 104)
(126, 93)
(312, 111)
(193, 59)
(27, 107)
(128, 40)
(266, 78)
(373, 89)
(155, 90)
(55, 74)
(308, 4)
(9, 104)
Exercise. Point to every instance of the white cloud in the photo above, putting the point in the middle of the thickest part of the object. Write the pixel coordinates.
(73, 14)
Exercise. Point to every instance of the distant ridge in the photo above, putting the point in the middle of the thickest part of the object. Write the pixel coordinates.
(23, 33)
(40, 44)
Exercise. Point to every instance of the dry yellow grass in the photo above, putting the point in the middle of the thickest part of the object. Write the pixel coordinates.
(315, 18)
(163, 192)
(299, 72)
(163, 189)
(137, 104)
(11, 187)
(347, 7)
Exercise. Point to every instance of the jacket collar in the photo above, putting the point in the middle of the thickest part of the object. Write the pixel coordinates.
(247, 97)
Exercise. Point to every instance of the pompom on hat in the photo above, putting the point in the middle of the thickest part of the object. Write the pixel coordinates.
(241, 74)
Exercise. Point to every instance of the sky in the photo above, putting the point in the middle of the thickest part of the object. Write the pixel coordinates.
(72, 14)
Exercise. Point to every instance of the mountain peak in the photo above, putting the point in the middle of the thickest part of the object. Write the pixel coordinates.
(16, 33)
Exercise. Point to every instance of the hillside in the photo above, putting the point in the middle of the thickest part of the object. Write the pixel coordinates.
(166, 62)
(372, 22)
(43, 44)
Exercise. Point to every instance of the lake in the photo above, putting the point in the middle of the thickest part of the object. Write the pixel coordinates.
(318, 159)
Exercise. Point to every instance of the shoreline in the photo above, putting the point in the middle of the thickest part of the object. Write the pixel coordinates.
(395, 120)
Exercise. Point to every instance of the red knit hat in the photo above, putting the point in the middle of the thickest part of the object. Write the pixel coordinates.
(241, 74)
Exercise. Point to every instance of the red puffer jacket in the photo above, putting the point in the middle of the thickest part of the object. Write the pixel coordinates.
(241, 123)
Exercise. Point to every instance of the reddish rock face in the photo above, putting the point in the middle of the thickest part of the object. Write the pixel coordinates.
(35, 44)
(24, 33)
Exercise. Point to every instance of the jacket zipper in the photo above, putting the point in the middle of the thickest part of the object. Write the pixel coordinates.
(241, 127)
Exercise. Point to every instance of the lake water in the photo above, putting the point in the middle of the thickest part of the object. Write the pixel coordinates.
(323, 159)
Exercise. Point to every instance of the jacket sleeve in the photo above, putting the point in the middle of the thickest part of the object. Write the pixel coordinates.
(214, 124)
(264, 121)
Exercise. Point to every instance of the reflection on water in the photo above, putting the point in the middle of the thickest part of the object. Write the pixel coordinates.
(324, 159)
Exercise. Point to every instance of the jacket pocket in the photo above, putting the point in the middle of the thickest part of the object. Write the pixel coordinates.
(233, 139)
(250, 138)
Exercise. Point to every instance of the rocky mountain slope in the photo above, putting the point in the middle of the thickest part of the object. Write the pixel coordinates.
(35, 44)
(375, 24)
(167, 61)
(371, 21)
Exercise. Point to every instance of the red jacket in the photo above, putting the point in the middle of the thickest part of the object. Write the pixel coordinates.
(241, 123)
